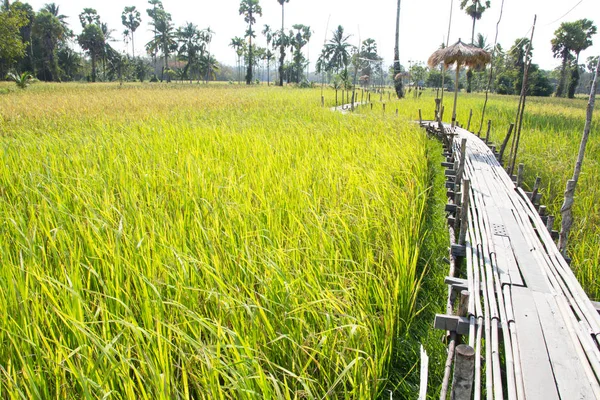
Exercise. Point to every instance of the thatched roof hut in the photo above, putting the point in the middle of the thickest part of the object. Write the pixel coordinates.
(461, 54)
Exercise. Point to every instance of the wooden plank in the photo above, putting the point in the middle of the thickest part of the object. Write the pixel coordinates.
(533, 275)
(569, 374)
(538, 378)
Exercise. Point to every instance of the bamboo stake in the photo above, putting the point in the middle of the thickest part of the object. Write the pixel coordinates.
(487, 135)
(505, 143)
(489, 85)
(566, 210)
(522, 102)
(470, 116)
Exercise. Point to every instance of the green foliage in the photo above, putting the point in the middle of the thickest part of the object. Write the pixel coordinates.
(179, 242)
(21, 80)
(12, 46)
(93, 42)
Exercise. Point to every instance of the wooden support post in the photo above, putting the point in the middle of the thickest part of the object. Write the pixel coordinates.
(384, 108)
(369, 97)
(520, 171)
(470, 116)
(542, 211)
(461, 165)
(464, 370)
(420, 116)
(536, 189)
(550, 223)
(505, 143)
(437, 109)
(462, 214)
(487, 135)
(442, 113)
(371, 106)
(463, 307)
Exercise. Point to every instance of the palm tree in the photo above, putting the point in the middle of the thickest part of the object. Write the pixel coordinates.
(299, 39)
(192, 47)
(131, 19)
(571, 37)
(475, 10)
(54, 9)
(336, 51)
(268, 54)
(249, 9)
(397, 67)
(49, 31)
(165, 38)
(156, 5)
(92, 41)
(582, 41)
(282, 41)
(207, 37)
(238, 45)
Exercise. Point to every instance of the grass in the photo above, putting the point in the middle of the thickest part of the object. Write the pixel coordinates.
(224, 242)
(551, 134)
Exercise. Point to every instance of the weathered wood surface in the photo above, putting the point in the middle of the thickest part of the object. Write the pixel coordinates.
(527, 316)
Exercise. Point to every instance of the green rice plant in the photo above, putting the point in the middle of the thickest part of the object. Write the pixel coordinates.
(209, 242)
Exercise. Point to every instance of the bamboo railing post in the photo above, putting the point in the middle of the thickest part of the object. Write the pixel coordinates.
(567, 216)
(464, 212)
(520, 172)
(461, 165)
(437, 110)
(470, 116)
(420, 116)
(463, 307)
(550, 223)
(487, 135)
(464, 370)
(536, 188)
(505, 143)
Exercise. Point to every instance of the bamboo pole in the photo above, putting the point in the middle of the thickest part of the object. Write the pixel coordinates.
(455, 94)
(505, 142)
(522, 101)
(567, 207)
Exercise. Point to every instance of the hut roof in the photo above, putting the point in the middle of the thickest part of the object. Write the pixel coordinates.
(461, 53)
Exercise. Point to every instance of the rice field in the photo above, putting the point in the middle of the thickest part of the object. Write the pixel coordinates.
(163, 242)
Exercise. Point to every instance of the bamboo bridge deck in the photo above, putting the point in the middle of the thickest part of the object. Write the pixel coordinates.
(534, 332)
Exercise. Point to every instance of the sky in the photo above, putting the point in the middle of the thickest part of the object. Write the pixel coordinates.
(423, 23)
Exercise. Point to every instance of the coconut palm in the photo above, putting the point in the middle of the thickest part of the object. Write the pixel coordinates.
(237, 43)
(54, 9)
(207, 35)
(475, 10)
(49, 31)
(282, 41)
(191, 47)
(165, 38)
(250, 9)
(92, 41)
(337, 51)
(131, 19)
(461, 54)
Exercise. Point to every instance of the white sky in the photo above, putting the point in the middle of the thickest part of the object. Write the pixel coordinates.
(424, 23)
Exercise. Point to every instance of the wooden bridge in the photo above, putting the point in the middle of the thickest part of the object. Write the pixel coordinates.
(529, 330)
